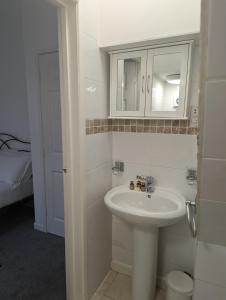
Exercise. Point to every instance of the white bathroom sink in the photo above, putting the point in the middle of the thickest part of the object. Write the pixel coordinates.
(146, 213)
(161, 208)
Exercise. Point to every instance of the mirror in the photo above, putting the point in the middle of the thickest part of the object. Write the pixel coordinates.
(128, 84)
(150, 83)
(166, 82)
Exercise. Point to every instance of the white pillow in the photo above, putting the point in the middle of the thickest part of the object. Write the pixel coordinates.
(14, 167)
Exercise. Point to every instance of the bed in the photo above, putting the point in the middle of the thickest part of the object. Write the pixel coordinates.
(15, 170)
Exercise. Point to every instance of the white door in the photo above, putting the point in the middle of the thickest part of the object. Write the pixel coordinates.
(52, 140)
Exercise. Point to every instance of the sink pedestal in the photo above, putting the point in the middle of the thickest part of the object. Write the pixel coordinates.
(144, 263)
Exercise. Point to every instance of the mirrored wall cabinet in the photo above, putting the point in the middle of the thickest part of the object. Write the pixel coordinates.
(151, 83)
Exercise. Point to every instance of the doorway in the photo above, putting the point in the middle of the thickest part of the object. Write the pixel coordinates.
(72, 149)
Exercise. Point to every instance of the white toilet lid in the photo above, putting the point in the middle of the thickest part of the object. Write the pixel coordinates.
(180, 282)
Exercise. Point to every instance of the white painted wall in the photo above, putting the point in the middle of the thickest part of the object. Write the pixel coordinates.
(13, 93)
(94, 84)
(40, 35)
(129, 21)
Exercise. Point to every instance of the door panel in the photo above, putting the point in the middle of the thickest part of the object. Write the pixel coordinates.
(57, 179)
(128, 81)
(52, 140)
(167, 83)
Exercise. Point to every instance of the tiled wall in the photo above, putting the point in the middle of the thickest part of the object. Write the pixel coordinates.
(210, 268)
(166, 157)
(94, 126)
(94, 83)
(176, 245)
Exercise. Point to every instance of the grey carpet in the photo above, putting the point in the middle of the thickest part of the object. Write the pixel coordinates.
(32, 262)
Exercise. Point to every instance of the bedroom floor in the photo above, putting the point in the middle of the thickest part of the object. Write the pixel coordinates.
(32, 262)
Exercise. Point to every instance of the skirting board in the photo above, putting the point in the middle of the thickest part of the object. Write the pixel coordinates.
(127, 270)
(39, 227)
(121, 267)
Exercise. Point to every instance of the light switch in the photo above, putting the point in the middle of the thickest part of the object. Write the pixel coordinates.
(194, 116)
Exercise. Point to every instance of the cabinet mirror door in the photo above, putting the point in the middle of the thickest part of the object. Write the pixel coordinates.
(128, 83)
(167, 82)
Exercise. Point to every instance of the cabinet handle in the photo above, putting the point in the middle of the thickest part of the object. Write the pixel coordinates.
(148, 83)
(143, 84)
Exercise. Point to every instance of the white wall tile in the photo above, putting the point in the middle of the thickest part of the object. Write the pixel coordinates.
(131, 170)
(95, 70)
(121, 254)
(214, 137)
(94, 84)
(89, 45)
(95, 62)
(166, 177)
(180, 229)
(211, 264)
(122, 241)
(98, 182)
(217, 41)
(207, 291)
(176, 250)
(210, 269)
(98, 150)
(122, 228)
(166, 158)
(165, 267)
(98, 244)
(212, 222)
(213, 180)
(96, 96)
(175, 151)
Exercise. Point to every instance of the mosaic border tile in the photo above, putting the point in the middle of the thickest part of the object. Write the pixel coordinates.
(94, 126)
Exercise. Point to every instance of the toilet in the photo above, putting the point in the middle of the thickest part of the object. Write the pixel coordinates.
(179, 286)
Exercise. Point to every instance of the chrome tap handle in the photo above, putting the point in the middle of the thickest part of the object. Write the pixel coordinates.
(141, 177)
(150, 180)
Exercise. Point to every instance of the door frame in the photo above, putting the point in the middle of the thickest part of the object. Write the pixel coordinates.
(73, 137)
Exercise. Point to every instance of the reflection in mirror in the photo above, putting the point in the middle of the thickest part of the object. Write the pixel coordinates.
(128, 84)
(166, 82)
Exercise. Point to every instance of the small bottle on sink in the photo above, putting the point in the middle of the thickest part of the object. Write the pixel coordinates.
(138, 186)
(131, 186)
(143, 187)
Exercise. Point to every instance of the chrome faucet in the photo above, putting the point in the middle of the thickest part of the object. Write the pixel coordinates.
(149, 182)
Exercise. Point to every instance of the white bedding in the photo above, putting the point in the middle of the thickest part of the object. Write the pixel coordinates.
(14, 167)
(15, 177)
(9, 195)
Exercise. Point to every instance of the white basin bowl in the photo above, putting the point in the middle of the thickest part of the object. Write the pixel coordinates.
(161, 208)
(146, 213)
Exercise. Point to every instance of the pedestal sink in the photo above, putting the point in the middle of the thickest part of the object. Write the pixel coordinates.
(146, 213)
